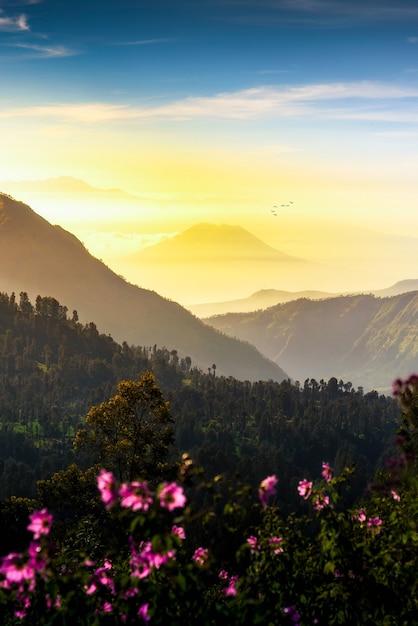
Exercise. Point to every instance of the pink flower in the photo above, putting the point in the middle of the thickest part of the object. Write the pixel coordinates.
(321, 502)
(179, 531)
(267, 489)
(135, 496)
(374, 524)
(143, 561)
(200, 555)
(395, 495)
(106, 484)
(253, 542)
(275, 544)
(305, 488)
(40, 523)
(361, 517)
(143, 613)
(15, 570)
(231, 589)
(101, 576)
(172, 496)
(326, 472)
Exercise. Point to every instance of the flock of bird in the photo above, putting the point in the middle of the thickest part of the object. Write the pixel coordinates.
(276, 206)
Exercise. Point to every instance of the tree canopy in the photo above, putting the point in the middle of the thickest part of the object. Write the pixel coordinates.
(131, 433)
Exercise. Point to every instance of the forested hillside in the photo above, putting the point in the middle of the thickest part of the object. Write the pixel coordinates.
(53, 369)
(39, 258)
(361, 338)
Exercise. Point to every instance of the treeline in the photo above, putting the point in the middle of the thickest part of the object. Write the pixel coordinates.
(53, 369)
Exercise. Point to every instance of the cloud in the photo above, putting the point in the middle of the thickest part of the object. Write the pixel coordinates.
(358, 100)
(412, 40)
(45, 51)
(281, 102)
(13, 24)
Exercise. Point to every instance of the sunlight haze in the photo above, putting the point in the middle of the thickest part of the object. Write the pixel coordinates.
(296, 121)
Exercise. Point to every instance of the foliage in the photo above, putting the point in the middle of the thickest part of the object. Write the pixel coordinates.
(131, 433)
(53, 369)
(333, 564)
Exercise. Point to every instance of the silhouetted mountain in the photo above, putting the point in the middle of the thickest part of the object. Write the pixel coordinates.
(361, 338)
(402, 286)
(211, 243)
(259, 300)
(213, 258)
(46, 260)
(269, 297)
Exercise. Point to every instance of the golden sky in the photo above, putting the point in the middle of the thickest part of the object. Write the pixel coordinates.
(216, 112)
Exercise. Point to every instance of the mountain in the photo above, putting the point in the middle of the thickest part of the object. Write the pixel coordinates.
(259, 300)
(64, 185)
(38, 258)
(402, 286)
(363, 339)
(212, 243)
(214, 258)
(269, 297)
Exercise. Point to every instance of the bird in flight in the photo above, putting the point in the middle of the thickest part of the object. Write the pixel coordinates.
(277, 206)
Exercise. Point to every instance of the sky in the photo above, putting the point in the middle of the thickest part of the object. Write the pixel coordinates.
(216, 111)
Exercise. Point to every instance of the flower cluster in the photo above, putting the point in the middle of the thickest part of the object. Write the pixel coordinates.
(372, 523)
(126, 590)
(305, 489)
(18, 572)
(137, 495)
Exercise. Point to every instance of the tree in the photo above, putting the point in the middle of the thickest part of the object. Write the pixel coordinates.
(131, 433)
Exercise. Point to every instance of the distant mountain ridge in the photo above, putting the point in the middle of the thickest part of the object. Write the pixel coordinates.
(265, 298)
(46, 260)
(364, 339)
(65, 185)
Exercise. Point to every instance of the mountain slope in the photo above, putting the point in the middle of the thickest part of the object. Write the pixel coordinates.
(360, 338)
(39, 258)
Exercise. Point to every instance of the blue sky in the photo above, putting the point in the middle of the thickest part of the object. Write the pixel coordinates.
(209, 110)
(166, 49)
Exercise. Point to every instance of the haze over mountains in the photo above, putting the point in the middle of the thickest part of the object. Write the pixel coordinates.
(312, 333)
(39, 258)
(213, 258)
(363, 339)
(337, 255)
(269, 297)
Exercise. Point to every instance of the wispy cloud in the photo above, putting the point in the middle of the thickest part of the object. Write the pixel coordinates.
(45, 51)
(13, 24)
(357, 100)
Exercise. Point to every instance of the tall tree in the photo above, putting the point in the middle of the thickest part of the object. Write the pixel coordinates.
(131, 433)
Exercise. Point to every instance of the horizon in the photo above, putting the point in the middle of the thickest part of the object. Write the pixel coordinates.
(295, 121)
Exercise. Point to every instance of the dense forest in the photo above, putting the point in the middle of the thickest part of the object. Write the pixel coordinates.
(156, 490)
(53, 369)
